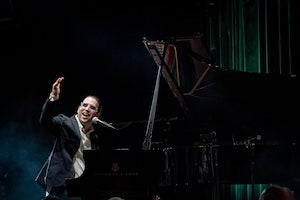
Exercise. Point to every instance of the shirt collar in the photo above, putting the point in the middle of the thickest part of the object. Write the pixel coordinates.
(91, 129)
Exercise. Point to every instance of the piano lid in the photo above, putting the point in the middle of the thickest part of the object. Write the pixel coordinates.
(185, 61)
(226, 101)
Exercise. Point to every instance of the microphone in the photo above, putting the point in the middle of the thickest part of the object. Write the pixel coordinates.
(249, 142)
(96, 120)
(256, 138)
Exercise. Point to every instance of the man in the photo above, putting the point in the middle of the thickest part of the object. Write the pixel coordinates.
(72, 135)
(275, 192)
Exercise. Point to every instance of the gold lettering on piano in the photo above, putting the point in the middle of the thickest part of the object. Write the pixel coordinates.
(117, 174)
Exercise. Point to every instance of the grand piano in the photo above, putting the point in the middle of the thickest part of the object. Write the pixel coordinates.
(231, 128)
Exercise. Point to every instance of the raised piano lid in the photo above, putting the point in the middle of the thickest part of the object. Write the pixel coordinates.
(226, 101)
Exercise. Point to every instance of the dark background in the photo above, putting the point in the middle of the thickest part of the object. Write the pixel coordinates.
(97, 46)
(99, 50)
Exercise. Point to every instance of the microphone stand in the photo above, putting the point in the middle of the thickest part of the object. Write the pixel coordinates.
(214, 167)
(211, 139)
(250, 144)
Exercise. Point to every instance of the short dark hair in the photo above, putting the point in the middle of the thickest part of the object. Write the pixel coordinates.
(97, 99)
(276, 192)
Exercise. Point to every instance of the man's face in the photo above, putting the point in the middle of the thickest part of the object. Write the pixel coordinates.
(88, 109)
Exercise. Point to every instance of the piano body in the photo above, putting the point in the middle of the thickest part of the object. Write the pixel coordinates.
(228, 132)
(245, 120)
(124, 173)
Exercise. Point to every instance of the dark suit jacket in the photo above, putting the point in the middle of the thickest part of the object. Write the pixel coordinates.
(67, 140)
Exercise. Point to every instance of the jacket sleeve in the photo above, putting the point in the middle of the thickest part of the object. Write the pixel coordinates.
(48, 117)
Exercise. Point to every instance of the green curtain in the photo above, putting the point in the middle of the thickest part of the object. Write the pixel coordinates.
(252, 35)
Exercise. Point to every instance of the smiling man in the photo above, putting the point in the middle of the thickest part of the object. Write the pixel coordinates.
(72, 135)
